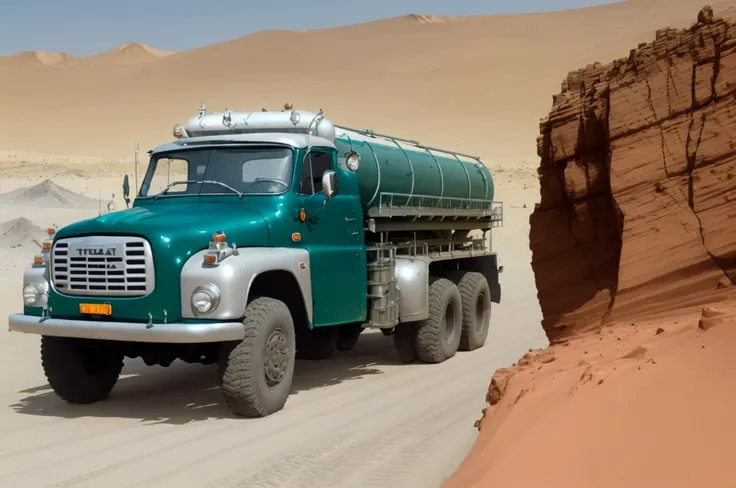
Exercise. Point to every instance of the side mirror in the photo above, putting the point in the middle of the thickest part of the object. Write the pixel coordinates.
(329, 183)
(126, 191)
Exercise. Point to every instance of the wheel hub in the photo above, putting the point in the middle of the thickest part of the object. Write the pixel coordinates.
(277, 356)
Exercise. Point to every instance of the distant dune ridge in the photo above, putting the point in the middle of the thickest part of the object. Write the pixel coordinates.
(47, 194)
(128, 53)
(430, 18)
(20, 232)
(34, 58)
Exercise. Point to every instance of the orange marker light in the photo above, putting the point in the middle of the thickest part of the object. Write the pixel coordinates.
(288, 106)
(210, 258)
(302, 265)
(51, 231)
(46, 245)
(219, 237)
(38, 260)
(302, 215)
(296, 237)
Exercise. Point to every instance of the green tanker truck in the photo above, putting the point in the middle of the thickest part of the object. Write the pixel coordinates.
(259, 238)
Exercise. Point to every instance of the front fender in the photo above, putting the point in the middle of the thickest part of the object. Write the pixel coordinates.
(235, 274)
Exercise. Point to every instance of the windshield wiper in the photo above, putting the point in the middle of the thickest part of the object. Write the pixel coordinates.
(214, 182)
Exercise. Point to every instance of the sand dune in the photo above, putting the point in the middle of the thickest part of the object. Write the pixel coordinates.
(47, 194)
(430, 18)
(128, 54)
(21, 232)
(479, 84)
(26, 59)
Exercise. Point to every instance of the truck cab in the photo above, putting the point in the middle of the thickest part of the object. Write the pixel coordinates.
(246, 246)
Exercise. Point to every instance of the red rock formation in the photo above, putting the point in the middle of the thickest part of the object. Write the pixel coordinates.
(638, 196)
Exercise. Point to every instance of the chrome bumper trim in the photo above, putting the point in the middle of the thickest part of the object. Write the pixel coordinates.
(176, 333)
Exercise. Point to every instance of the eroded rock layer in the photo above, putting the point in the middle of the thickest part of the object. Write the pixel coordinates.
(638, 196)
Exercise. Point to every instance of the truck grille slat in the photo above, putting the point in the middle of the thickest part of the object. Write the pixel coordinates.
(102, 266)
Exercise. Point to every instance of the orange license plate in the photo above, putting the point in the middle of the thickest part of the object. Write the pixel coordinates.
(95, 308)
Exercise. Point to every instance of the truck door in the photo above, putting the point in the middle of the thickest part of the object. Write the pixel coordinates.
(333, 235)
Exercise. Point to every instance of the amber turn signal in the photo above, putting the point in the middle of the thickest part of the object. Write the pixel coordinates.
(219, 237)
(38, 260)
(302, 215)
(210, 258)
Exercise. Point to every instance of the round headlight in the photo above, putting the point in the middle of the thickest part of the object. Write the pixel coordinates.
(352, 161)
(205, 298)
(31, 294)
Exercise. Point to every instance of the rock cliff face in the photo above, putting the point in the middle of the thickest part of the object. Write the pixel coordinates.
(638, 196)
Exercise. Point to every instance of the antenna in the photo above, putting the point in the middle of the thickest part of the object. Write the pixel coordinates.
(137, 157)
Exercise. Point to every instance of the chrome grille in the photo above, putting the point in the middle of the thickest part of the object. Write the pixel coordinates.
(119, 266)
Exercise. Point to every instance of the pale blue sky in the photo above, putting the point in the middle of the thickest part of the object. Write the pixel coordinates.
(83, 27)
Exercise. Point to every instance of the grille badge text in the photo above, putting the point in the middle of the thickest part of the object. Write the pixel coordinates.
(96, 251)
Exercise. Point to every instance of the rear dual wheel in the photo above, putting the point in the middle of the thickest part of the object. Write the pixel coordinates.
(459, 315)
(476, 299)
(437, 338)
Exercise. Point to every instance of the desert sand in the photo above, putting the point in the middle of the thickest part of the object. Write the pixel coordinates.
(476, 84)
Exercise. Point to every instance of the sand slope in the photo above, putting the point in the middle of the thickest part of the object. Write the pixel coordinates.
(644, 406)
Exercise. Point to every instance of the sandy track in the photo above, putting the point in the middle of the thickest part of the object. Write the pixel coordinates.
(360, 419)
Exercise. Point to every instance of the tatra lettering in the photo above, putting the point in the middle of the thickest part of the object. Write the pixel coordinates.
(96, 251)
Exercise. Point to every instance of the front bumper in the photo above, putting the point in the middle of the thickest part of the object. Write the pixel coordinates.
(176, 333)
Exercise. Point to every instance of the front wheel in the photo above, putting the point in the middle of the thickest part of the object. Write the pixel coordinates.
(80, 370)
(256, 373)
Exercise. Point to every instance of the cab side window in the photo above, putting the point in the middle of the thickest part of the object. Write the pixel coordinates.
(315, 165)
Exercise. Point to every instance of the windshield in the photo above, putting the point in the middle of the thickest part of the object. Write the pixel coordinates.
(225, 170)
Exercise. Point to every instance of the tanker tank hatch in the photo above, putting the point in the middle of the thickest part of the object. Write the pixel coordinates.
(229, 122)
